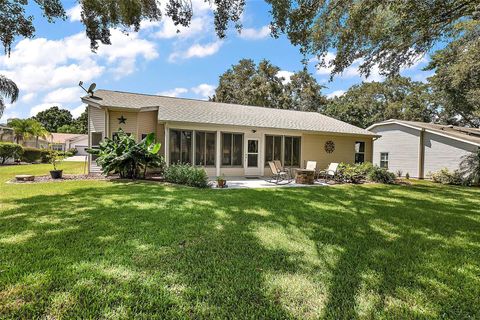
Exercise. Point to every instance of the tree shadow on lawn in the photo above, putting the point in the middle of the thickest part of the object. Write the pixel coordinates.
(140, 249)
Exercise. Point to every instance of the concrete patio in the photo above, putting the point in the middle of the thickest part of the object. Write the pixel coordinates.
(262, 182)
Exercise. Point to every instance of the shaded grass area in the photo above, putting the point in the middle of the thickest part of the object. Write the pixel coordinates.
(97, 249)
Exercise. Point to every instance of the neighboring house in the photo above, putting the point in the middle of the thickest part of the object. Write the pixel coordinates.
(229, 139)
(6, 134)
(66, 141)
(419, 148)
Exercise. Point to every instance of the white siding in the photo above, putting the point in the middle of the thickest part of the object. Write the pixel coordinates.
(402, 144)
(442, 152)
(96, 123)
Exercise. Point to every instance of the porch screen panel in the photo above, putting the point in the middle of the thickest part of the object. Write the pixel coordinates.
(292, 151)
(205, 148)
(181, 146)
(175, 139)
(273, 148)
(237, 150)
(232, 149)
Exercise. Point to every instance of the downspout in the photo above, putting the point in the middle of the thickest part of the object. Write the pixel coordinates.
(421, 155)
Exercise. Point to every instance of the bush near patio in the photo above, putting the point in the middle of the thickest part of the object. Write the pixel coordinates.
(123, 155)
(187, 174)
(359, 172)
(9, 150)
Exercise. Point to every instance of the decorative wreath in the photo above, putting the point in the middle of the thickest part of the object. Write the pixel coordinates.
(329, 146)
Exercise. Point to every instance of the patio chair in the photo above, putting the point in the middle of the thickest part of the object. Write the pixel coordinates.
(278, 177)
(330, 172)
(312, 165)
(281, 168)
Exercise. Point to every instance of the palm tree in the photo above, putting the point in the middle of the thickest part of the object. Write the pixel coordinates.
(9, 90)
(37, 130)
(22, 129)
(470, 167)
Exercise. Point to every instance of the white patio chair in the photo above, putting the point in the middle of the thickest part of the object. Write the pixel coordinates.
(312, 165)
(330, 172)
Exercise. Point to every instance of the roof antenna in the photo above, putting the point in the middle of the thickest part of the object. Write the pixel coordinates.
(90, 89)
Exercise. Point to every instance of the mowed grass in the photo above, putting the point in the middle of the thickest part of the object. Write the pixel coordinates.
(99, 249)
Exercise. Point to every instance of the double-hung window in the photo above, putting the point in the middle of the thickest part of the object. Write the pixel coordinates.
(232, 149)
(359, 152)
(384, 160)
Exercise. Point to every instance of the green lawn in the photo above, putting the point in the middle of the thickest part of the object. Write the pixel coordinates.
(99, 249)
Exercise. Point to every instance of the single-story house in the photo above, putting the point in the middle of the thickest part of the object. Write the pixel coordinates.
(66, 141)
(229, 139)
(418, 148)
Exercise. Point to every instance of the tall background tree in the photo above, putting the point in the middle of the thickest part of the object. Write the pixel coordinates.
(395, 98)
(456, 81)
(54, 118)
(260, 85)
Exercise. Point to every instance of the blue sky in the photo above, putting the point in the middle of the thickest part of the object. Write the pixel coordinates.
(157, 60)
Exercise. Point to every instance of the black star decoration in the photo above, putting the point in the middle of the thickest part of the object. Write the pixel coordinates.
(122, 119)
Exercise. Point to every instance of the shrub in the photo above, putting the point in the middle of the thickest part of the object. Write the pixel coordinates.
(399, 173)
(187, 174)
(446, 176)
(353, 173)
(125, 156)
(470, 168)
(72, 151)
(407, 176)
(381, 175)
(33, 155)
(9, 150)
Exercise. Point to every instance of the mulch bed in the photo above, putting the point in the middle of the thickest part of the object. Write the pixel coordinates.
(66, 177)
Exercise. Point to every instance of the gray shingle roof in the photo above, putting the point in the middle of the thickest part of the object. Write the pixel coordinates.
(463, 133)
(200, 111)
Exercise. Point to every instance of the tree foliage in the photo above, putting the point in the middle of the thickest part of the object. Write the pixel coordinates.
(9, 150)
(395, 98)
(8, 89)
(470, 168)
(24, 129)
(125, 156)
(53, 118)
(456, 81)
(389, 34)
(248, 84)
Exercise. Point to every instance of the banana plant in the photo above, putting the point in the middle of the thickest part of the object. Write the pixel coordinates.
(123, 155)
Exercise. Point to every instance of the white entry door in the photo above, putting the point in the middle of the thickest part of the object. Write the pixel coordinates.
(252, 157)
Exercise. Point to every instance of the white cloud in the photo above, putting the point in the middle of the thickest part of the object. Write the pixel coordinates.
(74, 13)
(336, 93)
(76, 112)
(174, 92)
(196, 51)
(41, 65)
(64, 95)
(204, 90)
(42, 107)
(286, 75)
(255, 34)
(26, 98)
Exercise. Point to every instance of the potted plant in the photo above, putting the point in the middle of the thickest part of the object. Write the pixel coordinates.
(221, 181)
(54, 158)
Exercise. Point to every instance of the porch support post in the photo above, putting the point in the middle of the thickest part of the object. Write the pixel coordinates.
(219, 151)
(166, 148)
